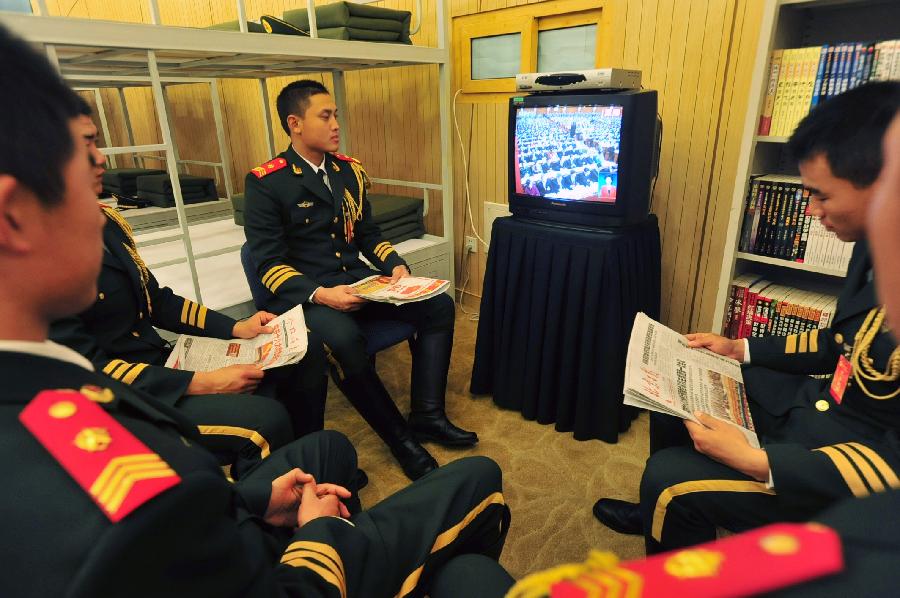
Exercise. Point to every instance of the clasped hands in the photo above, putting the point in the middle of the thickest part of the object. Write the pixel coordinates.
(297, 499)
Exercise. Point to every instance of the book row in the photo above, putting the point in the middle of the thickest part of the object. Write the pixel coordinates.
(777, 223)
(800, 78)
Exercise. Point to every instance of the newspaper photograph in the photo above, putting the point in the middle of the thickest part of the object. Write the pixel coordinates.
(405, 290)
(664, 374)
(285, 345)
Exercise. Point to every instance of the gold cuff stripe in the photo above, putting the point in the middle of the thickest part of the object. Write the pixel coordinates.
(134, 373)
(804, 340)
(192, 316)
(120, 371)
(862, 466)
(184, 311)
(381, 253)
(445, 538)
(814, 341)
(281, 279)
(322, 572)
(887, 473)
(321, 550)
(201, 317)
(317, 557)
(662, 503)
(383, 256)
(254, 436)
(273, 272)
(790, 344)
(113, 364)
(378, 248)
(850, 475)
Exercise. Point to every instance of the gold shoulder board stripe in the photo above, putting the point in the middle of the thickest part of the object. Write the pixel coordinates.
(845, 468)
(254, 436)
(672, 492)
(112, 486)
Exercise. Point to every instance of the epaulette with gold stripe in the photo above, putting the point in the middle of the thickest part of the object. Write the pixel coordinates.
(269, 167)
(346, 158)
(110, 464)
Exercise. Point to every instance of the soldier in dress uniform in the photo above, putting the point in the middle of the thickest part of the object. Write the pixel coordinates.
(308, 221)
(118, 334)
(823, 439)
(108, 492)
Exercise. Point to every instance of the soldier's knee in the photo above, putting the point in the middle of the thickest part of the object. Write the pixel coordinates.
(443, 309)
(273, 422)
(484, 469)
(333, 442)
(659, 474)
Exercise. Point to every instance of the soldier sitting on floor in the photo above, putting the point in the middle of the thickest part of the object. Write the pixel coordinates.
(307, 221)
(823, 440)
(108, 493)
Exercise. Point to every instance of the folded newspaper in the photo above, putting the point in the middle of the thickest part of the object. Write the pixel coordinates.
(285, 345)
(406, 290)
(664, 374)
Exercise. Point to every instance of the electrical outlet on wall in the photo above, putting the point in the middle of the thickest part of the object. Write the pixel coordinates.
(470, 244)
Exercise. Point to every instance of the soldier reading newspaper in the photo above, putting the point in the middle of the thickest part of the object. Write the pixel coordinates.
(286, 345)
(663, 374)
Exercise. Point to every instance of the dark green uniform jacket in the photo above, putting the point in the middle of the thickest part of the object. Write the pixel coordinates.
(117, 333)
(303, 236)
(856, 448)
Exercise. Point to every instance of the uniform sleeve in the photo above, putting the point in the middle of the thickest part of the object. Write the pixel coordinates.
(372, 245)
(177, 314)
(811, 352)
(266, 237)
(163, 383)
(814, 479)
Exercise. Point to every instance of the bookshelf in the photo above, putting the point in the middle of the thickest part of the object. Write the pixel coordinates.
(790, 24)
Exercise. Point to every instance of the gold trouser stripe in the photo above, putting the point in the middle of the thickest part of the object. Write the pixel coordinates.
(134, 373)
(201, 317)
(120, 371)
(875, 459)
(790, 344)
(184, 311)
(113, 364)
(804, 339)
(273, 272)
(321, 571)
(662, 503)
(192, 317)
(333, 361)
(254, 436)
(447, 537)
(814, 341)
(850, 475)
(863, 466)
(281, 279)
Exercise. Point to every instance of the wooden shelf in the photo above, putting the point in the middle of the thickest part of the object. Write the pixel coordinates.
(750, 257)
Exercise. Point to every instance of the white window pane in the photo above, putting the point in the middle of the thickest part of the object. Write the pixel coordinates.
(496, 56)
(566, 49)
(16, 6)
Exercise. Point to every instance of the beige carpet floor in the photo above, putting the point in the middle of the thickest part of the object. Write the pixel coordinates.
(550, 480)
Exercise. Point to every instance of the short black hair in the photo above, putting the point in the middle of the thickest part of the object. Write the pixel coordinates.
(848, 129)
(294, 99)
(84, 109)
(35, 109)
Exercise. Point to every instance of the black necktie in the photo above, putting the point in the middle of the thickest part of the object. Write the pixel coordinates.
(323, 178)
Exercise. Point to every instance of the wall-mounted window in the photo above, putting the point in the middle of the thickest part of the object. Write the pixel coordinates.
(496, 56)
(567, 48)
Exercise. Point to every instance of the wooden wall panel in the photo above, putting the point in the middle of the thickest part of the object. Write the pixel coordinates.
(697, 54)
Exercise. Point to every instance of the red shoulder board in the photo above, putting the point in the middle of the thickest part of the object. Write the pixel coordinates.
(346, 158)
(110, 464)
(269, 167)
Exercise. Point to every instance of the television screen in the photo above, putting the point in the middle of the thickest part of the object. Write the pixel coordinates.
(568, 152)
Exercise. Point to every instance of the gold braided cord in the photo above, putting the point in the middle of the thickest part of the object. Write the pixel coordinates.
(131, 248)
(352, 207)
(863, 368)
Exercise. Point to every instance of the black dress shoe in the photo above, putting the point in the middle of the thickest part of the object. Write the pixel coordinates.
(414, 460)
(361, 479)
(435, 427)
(619, 515)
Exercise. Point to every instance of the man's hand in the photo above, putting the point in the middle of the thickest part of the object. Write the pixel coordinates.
(723, 442)
(399, 272)
(253, 326)
(231, 379)
(342, 298)
(717, 344)
(287, 490)
(313, 506)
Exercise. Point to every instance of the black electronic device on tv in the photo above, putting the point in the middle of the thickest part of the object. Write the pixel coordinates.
(584, 159)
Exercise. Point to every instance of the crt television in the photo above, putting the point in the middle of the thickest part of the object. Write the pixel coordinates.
(583, 159)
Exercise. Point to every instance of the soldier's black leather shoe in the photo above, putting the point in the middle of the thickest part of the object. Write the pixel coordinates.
(435, 427)
(414, 460)
(619, 515)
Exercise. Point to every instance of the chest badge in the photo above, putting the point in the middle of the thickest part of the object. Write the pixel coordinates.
(305, 204)
(297, 170)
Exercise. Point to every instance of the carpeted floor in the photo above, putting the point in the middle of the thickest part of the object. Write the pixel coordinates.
(550, 480)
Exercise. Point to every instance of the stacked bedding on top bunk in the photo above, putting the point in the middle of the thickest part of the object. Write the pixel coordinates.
(400, 218)
(157, 189)
(122, 182)
(347, 21)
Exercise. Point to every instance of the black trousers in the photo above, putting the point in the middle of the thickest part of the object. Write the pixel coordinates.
(342, 336)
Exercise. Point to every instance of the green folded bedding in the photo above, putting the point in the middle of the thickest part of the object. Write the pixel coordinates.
(347, 21)
(236, 26)
(391, 207)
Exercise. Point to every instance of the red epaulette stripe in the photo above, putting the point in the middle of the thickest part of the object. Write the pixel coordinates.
(269, 167)
(346, 158)
(110, 464)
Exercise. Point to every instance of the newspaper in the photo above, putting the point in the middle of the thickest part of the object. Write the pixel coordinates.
(285, 345)
(406, 290)
(662, 373)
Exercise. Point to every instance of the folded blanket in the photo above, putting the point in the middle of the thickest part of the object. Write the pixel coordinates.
(345, 20)
(160, 183)
(391, 207)
(402, 221)
(123, 181)
(393, 232)
(416, 234)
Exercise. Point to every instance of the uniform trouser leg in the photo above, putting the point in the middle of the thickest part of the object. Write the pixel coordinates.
(685, 496)
(301, 388)
(667, 431)
(472, 576)
(457, 509)
(240, 429)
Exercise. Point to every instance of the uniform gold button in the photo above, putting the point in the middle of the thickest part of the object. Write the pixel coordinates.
(135, 333)
(822, 405)
(141, 315)
(779, 544)
(332, 235)
(335, 219)
(345, 268)
(337, 254)
(838, 337)
(307, 221)
(101, 296)
(63, 409)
